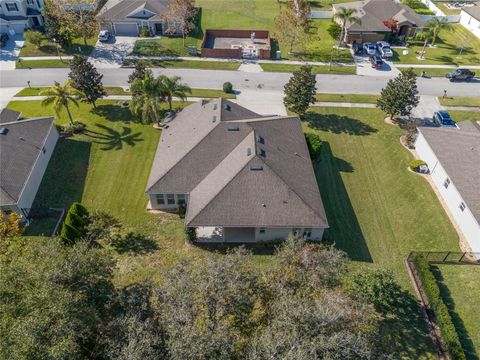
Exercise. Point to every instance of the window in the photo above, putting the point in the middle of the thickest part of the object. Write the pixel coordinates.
(446, 183)
(262, 231)
(11, 6)
(170, 199)
(160, 199)
(295, 231)
(462, 206)
(307, 233)
(181, 199)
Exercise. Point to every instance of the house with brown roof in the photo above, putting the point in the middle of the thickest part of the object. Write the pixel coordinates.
(372, 14)
(129, 17)
(243, 177)
(453, 158)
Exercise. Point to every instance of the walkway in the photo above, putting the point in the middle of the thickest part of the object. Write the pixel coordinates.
(9, 53)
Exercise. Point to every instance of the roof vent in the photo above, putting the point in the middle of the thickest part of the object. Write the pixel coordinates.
(249, 151)
(264, 205)
(233, 128)
(260, 139)
(214, 106)
(226, 107)
(256, 167)
(204, 102)
(3, 131)
(261, 152)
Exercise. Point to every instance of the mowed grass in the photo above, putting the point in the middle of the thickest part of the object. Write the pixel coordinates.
(190, 64)
(316, 69)
(462, 115)
(348, 98)
(460, 289)
(460, 101)
(434, 72)
(447, 52)
(48, 48)
(48, 63)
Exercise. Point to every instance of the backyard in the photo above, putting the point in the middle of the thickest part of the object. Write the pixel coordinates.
(460, 289)
(455, 47)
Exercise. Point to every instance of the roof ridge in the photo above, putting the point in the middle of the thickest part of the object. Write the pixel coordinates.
(26, 120)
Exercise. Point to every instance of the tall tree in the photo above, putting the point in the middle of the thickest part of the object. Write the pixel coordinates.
(138, 72)
(146, 98)
(300, 90)
(345, 16)
(290, 30)
(183, 13)
(172, 87)
(399, 97)
(436, 25)
(87, 79)
(60, 97)
(302, 10)
(57, 26)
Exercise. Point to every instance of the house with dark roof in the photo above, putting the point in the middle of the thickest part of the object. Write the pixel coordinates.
(372, 14)
(453, 159)
(18, 15)
(243, 177)
(129, 17)
(26, 146)
(470, 18)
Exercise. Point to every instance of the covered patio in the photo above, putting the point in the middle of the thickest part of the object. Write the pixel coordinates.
(213, 234)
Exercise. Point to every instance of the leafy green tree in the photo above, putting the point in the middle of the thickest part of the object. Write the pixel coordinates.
(436, 26)
(33, 37)
(56, 25)
(300, 90)
(399, 97)
(334, 30)
(172, 87)
(52, 300)
(290, 29)
(87, 79)
(60, 97)
(345, 16)
(146, 99)
(139, 72)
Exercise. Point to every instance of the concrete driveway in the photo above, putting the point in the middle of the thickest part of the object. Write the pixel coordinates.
(364, 67)
(9, 54)
(111, 54)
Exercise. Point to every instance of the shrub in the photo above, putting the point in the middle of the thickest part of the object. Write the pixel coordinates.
(79, 210)
(75, 128)
(414, 164)
(181, 210)
(227, 87)
(69, 234)
(444, 320)
(33, 37)
(145, 32)
(102, 227)
(191, 234)
(334, 30)
(74, 220)
(314, 144)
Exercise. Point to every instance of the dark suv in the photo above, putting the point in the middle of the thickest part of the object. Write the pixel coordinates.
(461, 74)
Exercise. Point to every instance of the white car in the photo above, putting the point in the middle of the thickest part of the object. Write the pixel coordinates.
(384, 49)
(370, 48)
(104, 36)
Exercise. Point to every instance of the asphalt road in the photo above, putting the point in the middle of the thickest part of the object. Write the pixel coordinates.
(213, 79)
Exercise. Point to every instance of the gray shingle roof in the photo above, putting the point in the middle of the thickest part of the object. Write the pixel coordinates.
(373, 13)
(120, 9)
(19, 149)
(7, 115)
(459, 153)
(473, 11)
(212, 162)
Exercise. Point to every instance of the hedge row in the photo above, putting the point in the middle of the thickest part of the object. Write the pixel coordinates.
(314, 143)
(444, 320)
(74, 225)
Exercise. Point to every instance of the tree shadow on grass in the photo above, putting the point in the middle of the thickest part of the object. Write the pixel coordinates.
(113, 112)
(134, 243)
(344, 231)
(113, 139)
(338, 124)
(465, 338)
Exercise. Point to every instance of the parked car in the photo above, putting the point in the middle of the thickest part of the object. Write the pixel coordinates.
(376, 61)
(461, 74)
(442, 118)
(104, 36)
(381, 44)
(3, 39)
(386, 52)
(357, 48)
(370, 48)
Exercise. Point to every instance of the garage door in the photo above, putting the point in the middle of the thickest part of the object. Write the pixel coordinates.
(126, 29)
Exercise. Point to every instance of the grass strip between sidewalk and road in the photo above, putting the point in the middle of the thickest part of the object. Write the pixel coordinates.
(348, 98)
(459, 101)
(48, 63)
(316, 69)
(188, 64)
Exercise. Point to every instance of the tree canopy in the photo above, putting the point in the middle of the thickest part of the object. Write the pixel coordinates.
(300, 90)
(400, 95)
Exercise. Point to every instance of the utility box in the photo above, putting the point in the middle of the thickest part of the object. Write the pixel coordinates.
(278, 55)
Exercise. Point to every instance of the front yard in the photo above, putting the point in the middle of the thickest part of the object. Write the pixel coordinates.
(48, 48)
(455, 47)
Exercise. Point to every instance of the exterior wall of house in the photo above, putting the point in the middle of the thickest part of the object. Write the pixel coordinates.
(32, 184)
(361, 37)
(18, 26)
(470, 23)
(141, 24)
(466, 221)
(214, 234)
(170, 201)
(270, 234)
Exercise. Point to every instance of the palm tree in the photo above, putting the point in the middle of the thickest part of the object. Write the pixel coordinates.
(60, 97)
(345, 16)
(146, 98)
(436, 25)
(172, 87)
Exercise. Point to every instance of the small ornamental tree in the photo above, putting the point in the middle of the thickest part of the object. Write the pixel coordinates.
(290, 30)
(138, 72)
(399, 97)
(300, 90)
(34, 37)
(183, 12)
(87, 79)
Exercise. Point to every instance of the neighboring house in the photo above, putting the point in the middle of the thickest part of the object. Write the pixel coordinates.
(453, 157)
(372, 14)
(26, 146)
(470, 18)
(129, 17)
(243, 177)
(18, 15)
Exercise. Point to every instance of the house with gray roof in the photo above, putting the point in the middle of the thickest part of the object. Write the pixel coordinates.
(243, 177)
(129, 17)
(372, 14)
(470, 18)
(453, 159)
(26, 146)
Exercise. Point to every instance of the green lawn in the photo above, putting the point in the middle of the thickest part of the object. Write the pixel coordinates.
(448, 50)
(32, 64)
(165, 46)
(47, 48)
(462, 115)
(191, 64)
(435, 72)
(351, 98)
(460, 289)
(459, 101)
(446, 10)
(316, 69)
(324, 5)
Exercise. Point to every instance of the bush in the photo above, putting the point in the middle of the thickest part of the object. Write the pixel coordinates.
(33, 37)
(191, 234)
(145, 33)
(444, 320)
(314, 144)
(69, 234)
(74, 220)
(414, 164)
(181, 210)
(75, 128)
(334, 30)
(227, 87)
(78, 209)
